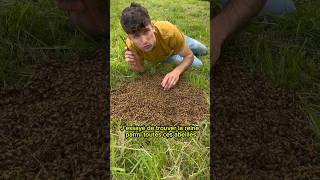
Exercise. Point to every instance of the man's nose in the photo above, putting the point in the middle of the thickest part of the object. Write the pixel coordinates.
(144, 39)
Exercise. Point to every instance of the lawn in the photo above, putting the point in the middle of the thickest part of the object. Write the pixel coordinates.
(161, 158)
(34, 32)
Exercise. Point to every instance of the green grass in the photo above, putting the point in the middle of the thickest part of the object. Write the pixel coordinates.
(161, 158)
(34, 32)
(196, 26)
(286, 50)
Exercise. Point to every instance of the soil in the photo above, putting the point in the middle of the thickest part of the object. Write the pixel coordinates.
(55, 126)
(144, 100)
(258, 130)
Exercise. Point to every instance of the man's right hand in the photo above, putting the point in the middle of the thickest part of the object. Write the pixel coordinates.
(131, 57)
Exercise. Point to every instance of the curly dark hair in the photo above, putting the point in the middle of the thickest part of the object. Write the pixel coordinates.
(134, 19)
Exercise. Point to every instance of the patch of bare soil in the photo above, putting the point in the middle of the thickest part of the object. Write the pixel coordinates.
(258, 130)
(145, 100)
(55, 127)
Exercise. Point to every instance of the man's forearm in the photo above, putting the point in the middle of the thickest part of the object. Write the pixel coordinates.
(137, 68)
(236, 14)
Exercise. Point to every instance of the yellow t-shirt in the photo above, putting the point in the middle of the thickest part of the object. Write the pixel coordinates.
(169, 41)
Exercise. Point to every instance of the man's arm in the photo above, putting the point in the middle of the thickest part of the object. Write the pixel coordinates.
(138, 68)
(133, 59)
(187, 55)
(234, 15)
(172, 78)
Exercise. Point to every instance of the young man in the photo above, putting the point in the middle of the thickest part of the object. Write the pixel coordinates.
(158, 41)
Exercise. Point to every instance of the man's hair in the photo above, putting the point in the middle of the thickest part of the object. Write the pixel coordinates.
(134, 19)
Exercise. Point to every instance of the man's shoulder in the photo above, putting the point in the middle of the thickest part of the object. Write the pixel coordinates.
(162, 23)
(165, 27)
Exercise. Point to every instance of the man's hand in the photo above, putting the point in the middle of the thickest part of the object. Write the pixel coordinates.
(170, 79)
(233, 16)
(133, 59)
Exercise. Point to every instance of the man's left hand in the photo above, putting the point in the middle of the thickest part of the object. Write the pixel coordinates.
(170, 79)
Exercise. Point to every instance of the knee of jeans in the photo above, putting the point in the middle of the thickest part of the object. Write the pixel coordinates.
(199, 49)
(204, 51)
(277, 7)
(174, 58)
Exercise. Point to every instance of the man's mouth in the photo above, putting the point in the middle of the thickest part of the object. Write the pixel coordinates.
(147, 46)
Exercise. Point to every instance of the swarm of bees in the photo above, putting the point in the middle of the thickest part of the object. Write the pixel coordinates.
(144, 100)
(258, 127)
(55, 125)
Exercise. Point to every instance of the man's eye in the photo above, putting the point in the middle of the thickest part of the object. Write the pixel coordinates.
(145, 32)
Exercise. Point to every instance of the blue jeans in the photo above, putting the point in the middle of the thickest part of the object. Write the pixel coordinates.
(275, 7)
(196, 47)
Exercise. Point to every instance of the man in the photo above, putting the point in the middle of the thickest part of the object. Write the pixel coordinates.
(158, 41)
(237, 13)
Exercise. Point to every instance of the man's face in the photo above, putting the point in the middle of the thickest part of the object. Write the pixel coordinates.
(144, 40)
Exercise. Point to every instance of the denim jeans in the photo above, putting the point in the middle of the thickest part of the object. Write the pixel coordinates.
(196, 47)
(275, 7)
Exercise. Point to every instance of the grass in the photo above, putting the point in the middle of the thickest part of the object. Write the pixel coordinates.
(286, 50)
(161, 158)
(35, 32)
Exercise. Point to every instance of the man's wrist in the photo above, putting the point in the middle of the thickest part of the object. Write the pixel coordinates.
(178, 70)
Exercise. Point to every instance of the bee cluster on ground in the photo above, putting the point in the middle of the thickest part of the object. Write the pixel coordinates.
(144, 100)
(259, 130)
(55, 126)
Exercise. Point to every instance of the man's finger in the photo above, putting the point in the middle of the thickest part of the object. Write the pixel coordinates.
(172, 83)
(167, 86)
(129, 56)
(129, 53)
(164, 81)
(130, 60)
